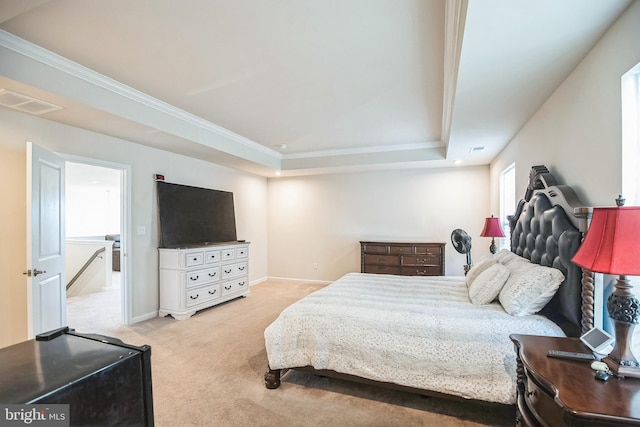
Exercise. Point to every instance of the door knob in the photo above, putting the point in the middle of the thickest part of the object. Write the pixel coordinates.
(34, 273)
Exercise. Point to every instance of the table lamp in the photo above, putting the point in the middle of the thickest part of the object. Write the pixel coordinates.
(612, 246)
(492, 229)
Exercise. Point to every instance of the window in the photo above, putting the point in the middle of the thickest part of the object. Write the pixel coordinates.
(630, 165)
(631, 136)
(507, 202)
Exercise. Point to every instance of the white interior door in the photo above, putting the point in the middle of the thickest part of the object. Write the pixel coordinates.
(45, 241)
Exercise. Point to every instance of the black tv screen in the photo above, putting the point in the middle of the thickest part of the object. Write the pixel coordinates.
(194, 216)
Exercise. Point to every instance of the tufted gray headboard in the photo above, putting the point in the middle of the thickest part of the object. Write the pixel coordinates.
(545, 231)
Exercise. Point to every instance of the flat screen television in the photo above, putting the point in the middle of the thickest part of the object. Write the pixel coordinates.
(191, 216)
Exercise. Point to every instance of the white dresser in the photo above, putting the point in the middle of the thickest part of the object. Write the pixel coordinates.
(193, 278)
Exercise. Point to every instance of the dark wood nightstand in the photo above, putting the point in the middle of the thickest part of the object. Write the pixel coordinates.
(560, 392)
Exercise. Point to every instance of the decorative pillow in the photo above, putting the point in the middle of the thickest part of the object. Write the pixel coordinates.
(506, 257)
(520, 267)
(478, 268)
(529, 292)
(486, 287)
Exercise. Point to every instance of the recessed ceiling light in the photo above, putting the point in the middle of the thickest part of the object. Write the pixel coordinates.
(278, 173)
(457, 161)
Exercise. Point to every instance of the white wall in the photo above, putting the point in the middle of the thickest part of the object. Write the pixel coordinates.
(250, 197)
(321, 219)
(577, 132)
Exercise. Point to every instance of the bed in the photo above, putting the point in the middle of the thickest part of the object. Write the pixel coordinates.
(446, 335)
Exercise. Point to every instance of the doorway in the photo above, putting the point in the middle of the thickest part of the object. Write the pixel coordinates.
(95, 245)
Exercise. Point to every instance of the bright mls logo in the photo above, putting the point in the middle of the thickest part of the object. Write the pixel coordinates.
(35, 415)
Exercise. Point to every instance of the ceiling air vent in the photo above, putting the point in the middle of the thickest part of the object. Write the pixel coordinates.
(476, 149)
(25, 103)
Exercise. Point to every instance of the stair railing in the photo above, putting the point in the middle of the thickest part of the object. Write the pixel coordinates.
(85, 266)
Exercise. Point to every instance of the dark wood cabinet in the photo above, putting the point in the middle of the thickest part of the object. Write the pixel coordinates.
(403, 258)
(559, 392)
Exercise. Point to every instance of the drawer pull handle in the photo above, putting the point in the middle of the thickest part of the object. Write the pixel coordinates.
(213, 292)
(194, 277)
(241, 283)
(192, 297)
(195, 259)
(227, 271)
(241, 268)
(212, 274)
(228, 288)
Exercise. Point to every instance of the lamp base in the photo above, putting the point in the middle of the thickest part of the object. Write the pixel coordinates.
(623, 368)
(624, 309)
(493, 248)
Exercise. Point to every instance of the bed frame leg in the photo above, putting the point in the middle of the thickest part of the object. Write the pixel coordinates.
(272, 379)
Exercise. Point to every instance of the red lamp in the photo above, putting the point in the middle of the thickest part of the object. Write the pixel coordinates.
(612, 246)
(492, 229)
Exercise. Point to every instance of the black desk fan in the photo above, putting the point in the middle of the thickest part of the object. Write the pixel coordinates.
(462, 243)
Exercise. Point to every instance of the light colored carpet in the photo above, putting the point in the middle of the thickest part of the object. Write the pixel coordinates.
(208, 371)
(96, 312)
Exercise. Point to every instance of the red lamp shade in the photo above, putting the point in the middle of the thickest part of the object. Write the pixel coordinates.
(612, 243)
(492, 228)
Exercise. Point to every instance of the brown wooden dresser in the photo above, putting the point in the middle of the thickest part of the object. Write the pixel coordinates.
(559, 392)
(404, 258)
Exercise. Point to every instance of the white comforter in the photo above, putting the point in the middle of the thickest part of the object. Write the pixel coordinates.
(421, 332)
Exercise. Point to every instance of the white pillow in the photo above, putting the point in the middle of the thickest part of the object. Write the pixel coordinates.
(529, 292)
(486, 287)
(520, 267)
(478, 268)
(506, 257)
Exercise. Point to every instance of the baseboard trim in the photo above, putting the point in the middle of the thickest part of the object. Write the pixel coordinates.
(290, 279)
(142, 318)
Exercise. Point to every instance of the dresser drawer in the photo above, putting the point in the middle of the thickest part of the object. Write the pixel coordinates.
(197, 277)
(381, 260)
(200, 295)
(400, 250)
(381, 269)
(540, 402)
(241, 253)
(428, 250)
(233, 286)
(427, 270)
(372, 248)
(420, 260)
(232, 270)
(211, 257)
(194, 259)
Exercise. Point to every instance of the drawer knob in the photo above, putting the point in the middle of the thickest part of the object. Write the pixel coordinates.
(194, 297)
(194, 277)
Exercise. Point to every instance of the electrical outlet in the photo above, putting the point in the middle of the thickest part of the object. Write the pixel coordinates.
(315, 265)
(142, 229)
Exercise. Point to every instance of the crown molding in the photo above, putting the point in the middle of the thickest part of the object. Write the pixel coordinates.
(362, 150)
(455, 17)
(51, 59)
